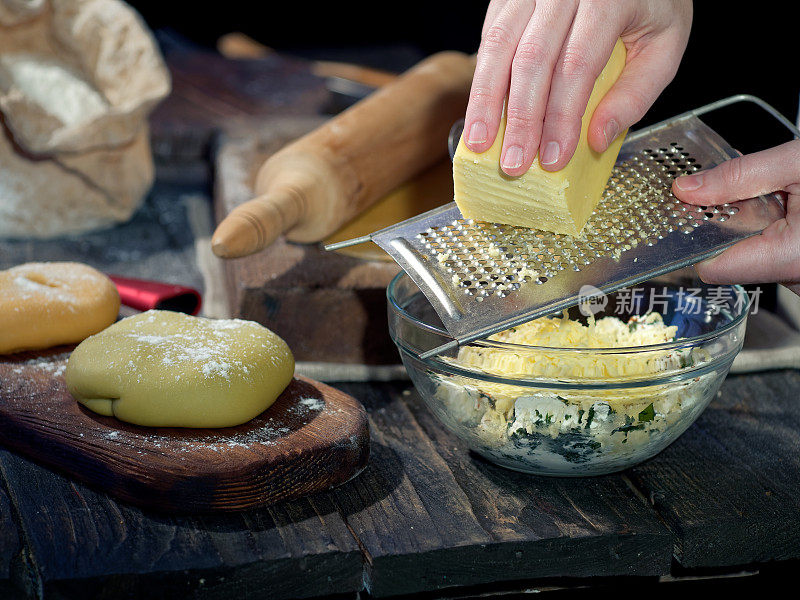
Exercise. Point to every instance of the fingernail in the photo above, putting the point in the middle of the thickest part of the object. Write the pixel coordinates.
(477, 133)
(512, 158)
(687, 183)
(550, 153)
(611, 131)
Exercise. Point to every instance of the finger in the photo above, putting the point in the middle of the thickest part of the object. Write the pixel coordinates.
(492, 71)
(647, 72)
(743, 177)
(493, 10)
(583, 56)
(772, 256)
(531, 73)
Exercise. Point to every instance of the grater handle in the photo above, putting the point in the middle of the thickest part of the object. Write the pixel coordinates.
(753, 99)
(722, 103)
(767, 107)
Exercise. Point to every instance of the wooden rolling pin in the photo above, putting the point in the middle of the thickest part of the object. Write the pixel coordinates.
(319, 182)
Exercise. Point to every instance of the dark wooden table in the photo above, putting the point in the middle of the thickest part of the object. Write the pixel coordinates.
(426, 515)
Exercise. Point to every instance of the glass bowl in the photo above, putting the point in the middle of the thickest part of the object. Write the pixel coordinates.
(577, 411)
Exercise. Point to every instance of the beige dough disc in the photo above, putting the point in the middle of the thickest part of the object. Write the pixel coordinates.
(48, 304)
(167, 369)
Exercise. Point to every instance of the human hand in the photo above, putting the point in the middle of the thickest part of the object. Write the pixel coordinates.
(547, 54)
(775, 254)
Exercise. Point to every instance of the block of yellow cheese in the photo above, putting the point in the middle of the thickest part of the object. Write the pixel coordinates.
(560, 201)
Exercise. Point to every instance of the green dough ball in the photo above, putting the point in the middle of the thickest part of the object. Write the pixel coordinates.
(167, 369)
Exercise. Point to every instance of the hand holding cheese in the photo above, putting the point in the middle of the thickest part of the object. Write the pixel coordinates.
(545, 56)
(561, 202)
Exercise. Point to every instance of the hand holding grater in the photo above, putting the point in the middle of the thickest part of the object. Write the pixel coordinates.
(482, 278)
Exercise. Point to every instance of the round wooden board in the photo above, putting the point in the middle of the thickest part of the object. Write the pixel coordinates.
(313, 438)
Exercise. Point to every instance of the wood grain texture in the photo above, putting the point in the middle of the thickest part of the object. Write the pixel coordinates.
(157, 243)
(313, 438)
(729, 488)
(426, 515)
(281, 286)
(10, 542)
(85, 544)
(437, 516)
(211, 92)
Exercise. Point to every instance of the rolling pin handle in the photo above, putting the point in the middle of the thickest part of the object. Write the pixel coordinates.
(257, 223)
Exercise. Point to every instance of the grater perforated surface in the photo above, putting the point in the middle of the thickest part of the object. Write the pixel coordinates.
(638, 207)
(482, 278)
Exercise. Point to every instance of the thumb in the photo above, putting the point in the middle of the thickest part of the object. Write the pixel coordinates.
(774, 255)
(742, 177)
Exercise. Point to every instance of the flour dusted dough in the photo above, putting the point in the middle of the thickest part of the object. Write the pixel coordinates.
(166, 369)
(47, 304)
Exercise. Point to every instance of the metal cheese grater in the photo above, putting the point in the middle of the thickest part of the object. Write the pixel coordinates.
(482, 278)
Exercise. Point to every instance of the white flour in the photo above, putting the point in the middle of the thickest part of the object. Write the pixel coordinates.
(55, 364)
(56, 89)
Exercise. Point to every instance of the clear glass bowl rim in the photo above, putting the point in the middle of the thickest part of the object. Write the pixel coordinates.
(584, 383)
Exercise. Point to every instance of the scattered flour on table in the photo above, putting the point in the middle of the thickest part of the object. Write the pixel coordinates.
(266, 435)
(55, 364)
(306, 405)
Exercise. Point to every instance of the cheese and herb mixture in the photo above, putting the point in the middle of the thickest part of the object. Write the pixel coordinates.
(584, 429)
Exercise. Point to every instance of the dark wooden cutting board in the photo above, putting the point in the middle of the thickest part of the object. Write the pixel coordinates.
(313, 438)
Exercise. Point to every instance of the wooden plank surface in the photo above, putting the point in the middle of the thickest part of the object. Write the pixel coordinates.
(210, 92)
(729, 488)
(10, 542)
(83, 543)
(428, 515)
(312, 438)
(157, 243)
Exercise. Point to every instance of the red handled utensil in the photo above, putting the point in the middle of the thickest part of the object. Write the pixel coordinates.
(145, 295)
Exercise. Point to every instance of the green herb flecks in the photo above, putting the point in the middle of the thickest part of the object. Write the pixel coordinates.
(628, 426)
(648, 414)
(590, 417)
